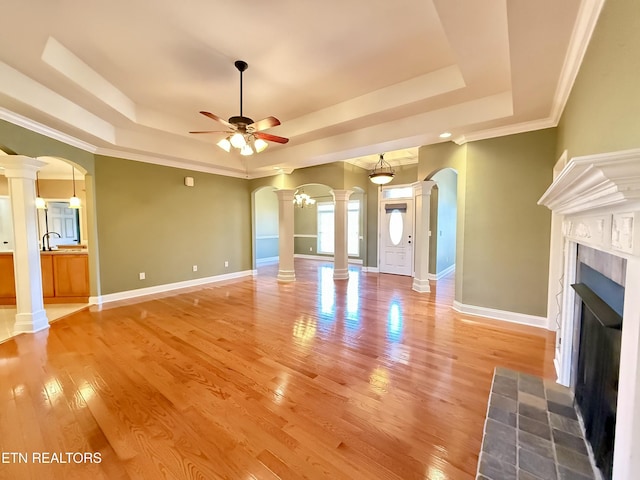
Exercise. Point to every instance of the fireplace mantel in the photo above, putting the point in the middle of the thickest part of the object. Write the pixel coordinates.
(595, 201)
(596, 183)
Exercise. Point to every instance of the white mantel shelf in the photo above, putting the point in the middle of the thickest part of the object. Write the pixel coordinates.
(596, 182)
(595, 201)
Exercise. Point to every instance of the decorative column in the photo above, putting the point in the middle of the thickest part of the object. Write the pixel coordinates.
(286, 269)
(422, 195)
(341, 257)
(21, 174)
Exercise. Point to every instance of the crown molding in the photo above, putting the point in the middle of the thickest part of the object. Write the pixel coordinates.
(595, 182)
(506, 130)
(165, 162)
(581, 36)
(36, 127)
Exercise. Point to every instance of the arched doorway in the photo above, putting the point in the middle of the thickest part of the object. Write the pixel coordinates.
(443, 227)
(61, 238)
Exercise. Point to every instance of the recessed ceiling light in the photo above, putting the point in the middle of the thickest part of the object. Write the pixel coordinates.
(445, 135)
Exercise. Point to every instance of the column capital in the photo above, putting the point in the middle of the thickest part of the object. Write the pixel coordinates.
(285, 195)
(341, 194)
(423, 188)
(20, 166)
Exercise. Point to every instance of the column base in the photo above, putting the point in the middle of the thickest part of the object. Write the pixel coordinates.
(31, 322)
(286, 275)
(421, 286)
(341, 274)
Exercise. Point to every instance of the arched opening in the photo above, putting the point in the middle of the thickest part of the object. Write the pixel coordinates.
(62, 239)
(443, 225)
(265, 238)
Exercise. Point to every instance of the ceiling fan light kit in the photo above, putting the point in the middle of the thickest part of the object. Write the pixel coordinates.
(243, 133)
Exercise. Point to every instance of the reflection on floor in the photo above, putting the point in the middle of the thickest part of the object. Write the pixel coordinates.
(54, 312)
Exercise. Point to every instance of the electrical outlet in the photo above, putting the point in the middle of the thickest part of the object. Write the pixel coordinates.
(226, 263)
(195, 268)
(311, 249)
(142, 276)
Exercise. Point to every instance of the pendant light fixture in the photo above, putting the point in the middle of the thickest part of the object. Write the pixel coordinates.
(40, 203)
(74, 202)
(382, 172)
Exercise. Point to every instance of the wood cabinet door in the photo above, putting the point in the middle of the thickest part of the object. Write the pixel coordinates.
(71, 275)
(46, 263)
(7, 277)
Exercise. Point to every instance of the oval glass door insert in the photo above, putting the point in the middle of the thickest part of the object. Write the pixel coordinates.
(396, 226)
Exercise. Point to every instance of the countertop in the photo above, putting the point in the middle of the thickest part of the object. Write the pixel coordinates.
(65, 251)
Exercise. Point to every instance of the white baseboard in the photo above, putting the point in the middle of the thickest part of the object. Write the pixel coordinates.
(267, 261)
(328, 258)
(370, 269)
(513, 317)
(437, 276)
(168, 287)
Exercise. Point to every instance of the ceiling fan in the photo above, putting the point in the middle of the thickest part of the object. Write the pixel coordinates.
(243, 132)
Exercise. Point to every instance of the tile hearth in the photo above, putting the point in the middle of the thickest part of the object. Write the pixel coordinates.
(532, 432)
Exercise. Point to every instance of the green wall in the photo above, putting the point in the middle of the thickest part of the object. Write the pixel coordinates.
(432, 159)
(507, 233)
(503, 235)
(150, 222)
(603, 110)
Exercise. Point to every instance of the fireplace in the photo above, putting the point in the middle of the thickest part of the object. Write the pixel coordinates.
(596, 382)
(595, 202)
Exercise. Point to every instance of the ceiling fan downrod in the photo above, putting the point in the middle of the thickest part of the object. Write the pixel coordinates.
(241, 66)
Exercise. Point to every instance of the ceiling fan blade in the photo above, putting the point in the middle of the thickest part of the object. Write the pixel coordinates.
(210, 131)
(218, 119)
(271, 138)
(263, 124)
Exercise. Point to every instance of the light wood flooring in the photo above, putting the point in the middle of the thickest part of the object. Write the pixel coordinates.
(252, 379)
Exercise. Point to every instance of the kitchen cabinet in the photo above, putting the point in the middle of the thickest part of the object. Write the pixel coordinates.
(65, 277)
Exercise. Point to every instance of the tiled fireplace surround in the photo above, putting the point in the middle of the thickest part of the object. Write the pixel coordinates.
(595, 202)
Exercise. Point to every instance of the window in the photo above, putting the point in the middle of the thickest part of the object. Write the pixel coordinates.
(326, 228)
(353, 228)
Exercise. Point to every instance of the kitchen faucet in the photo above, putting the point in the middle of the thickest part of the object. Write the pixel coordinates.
(46, 242)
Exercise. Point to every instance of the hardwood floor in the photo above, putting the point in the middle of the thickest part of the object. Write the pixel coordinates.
(317, 379)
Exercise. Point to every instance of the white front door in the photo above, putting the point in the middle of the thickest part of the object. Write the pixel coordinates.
(396, 237)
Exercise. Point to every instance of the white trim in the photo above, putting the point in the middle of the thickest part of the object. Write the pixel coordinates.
(437, 276)
(267, 260)
(513, 317)
(266, 237)
(586, 21)
(328, 258)
(304, 235)
(185, 164)
(523, 127)
(36, 127)
(370, 269)
(168, 287)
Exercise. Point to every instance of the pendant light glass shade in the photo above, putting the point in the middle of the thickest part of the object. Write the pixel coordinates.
(237, 140)
(225, 144)
(260, 145)
(246, 150)
(74, 202)
(40, 203)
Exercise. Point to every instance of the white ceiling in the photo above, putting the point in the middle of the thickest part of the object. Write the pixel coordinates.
(348, 80)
